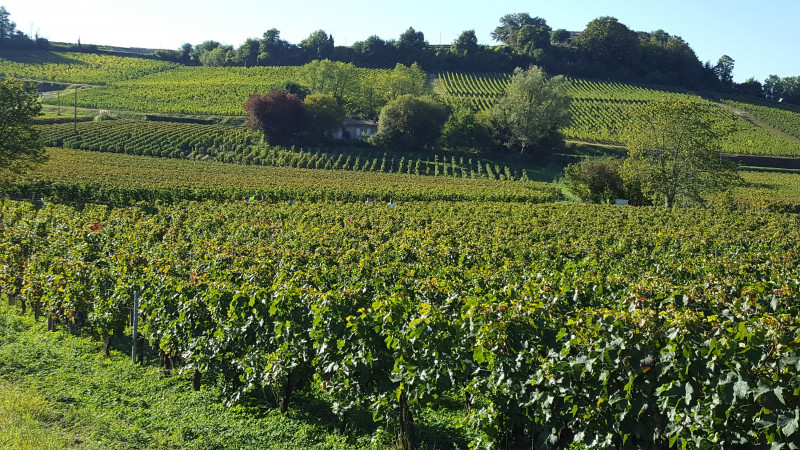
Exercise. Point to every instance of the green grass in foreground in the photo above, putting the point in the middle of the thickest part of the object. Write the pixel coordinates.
(57, 391)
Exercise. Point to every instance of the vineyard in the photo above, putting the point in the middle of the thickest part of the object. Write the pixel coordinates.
(77, 67)
(82, 176)
(223, 90)
(603, 111)
(550, 321)
(785, 120)
(238, 145)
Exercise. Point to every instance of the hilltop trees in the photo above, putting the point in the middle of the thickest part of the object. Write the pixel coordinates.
(11, 37)
(532, 110)
(674, 152)
(318, 45)
(7, 27)
(466, 44)
(610, 44)
(19, 141)
(524, 33)
(724, 70)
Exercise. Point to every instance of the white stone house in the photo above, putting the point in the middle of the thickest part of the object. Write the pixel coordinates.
(357, 129)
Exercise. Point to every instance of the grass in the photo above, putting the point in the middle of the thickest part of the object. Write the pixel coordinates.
(57, 391)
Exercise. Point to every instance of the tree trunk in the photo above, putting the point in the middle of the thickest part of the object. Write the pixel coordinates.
(287, 394)
(106, 344)
(407, 438)
(166, 362)
(197, 380)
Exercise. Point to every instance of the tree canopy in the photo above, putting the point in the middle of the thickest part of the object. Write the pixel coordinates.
(411, 122)
(609, 43)
(674, 152)
(279, 115)
(19, 141)
(532, 109)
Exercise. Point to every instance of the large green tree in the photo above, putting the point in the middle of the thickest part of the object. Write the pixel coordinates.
(724, 69)
(610, 44)
(674, 152)
(466, 43)
(411, 123)
(318, 45)
(508, 32)
(324, 113)
(532, 109)
(20, 146)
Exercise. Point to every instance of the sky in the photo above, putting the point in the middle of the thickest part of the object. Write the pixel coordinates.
(760, 36)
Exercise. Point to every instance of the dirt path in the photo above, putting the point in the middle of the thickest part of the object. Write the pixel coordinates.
(756, 121)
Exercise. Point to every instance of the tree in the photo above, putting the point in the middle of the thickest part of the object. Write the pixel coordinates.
(463, 131)
(331, 77)
(372, 46)
(20, 147)
(7, 27)
(609, 43)
(772, 88)
(559, 36)
(533, 37)
(220, 56)
(274, 50)
(318, 45)
(324, 114)
(751, 87)
(410, 123)
(511, 24)
(279, 115)
(596, 180)
(674, 152)
(186, 52)
(411, 41)
(247, 53)
(532, 109)
(724, 69)
(466, 44)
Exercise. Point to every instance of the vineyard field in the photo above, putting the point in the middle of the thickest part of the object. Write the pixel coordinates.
(84, 68)
(224, 90)
(87, 176)
(390, 308)
(232, 144)
(602, 112)
(785, 120)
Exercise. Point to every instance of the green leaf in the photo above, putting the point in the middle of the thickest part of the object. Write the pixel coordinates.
(477, 355)
(688, 395)
(778, 391)
(788, 424)
(740, 389)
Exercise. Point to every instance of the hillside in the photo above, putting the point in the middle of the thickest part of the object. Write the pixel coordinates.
(170, 280)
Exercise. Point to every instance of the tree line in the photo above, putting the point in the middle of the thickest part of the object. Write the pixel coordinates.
(606, 48)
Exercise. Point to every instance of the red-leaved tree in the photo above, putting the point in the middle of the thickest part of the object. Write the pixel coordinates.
(279, 115)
